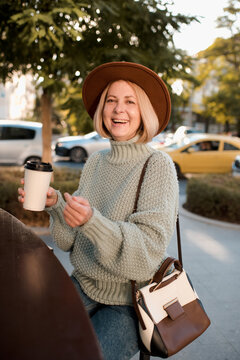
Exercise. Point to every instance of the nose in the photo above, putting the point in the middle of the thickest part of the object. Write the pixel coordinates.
(119, 107)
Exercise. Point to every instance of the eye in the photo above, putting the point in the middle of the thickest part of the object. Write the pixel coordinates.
(110, 100)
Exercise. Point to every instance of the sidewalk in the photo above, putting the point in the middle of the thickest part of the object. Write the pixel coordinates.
(211, 254)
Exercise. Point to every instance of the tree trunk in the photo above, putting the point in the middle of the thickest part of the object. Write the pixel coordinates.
(46, 115)
(226, 127)
(206, 124)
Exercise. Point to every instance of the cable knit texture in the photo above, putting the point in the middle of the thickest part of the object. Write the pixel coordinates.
(117, 245)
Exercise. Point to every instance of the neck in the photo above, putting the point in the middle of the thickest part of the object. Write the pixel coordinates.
(126, 151)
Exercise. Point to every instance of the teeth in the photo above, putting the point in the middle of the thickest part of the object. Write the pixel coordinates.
(119, 122)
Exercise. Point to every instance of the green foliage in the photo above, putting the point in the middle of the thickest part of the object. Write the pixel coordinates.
(78, 120)
(214, 196)
(35, 36)
(60, 42)
(221, 63)
(66, 180)
(138, 31)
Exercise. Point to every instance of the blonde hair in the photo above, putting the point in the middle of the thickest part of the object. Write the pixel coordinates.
(150, 123)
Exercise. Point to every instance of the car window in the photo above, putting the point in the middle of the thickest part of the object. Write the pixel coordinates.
(96, 137)
(193, 147)
(90, 135)
(16, 133)
(215, 145)
(228, 146)
(206, 145)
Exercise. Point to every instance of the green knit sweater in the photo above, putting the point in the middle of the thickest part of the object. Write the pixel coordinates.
(116, 245)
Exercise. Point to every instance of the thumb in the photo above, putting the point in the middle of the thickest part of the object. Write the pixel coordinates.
(81, 200)
(67, 196)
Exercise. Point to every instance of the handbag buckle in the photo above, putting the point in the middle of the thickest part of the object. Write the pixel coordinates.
(174, 309)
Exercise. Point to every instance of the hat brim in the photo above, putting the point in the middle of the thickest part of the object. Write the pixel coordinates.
(148, 80)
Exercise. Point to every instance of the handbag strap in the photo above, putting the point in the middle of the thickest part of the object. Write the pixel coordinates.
(179, 245)
(140, 184)
(161, 272)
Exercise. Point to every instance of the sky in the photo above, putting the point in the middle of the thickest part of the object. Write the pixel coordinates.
(198, 36)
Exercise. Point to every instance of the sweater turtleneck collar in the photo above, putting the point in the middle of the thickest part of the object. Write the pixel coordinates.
(125, 151)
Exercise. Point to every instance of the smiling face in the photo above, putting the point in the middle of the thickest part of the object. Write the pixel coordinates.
(121, 113)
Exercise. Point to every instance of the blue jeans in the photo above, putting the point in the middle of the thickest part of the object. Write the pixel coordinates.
(116, 327)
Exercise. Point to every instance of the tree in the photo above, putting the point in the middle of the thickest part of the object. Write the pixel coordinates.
(220, 65)
(139, 31)
(36, 37)
(230, 81)
(60, 41)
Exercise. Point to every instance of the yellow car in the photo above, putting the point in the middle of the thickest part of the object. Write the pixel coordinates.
(204, 153)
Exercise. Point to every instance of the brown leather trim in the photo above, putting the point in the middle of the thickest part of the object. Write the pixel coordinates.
(140, 184)
(180, 332)
(133, 283)
(174, 309)
(162, 272)
(158, 276)
(164, 283)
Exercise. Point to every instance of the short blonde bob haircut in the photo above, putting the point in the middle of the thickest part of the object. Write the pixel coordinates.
(150, 123)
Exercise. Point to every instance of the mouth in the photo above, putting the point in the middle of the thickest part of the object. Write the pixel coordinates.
(119, 121)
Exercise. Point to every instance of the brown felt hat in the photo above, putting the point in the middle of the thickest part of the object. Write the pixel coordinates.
(97, 80)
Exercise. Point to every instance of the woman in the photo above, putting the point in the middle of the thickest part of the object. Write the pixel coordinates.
(109, 244)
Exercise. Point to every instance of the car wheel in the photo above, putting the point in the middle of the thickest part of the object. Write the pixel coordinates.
(179, 173)
(32, 158)
(78, 154)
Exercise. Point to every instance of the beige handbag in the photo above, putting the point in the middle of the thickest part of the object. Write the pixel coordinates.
(170, 313)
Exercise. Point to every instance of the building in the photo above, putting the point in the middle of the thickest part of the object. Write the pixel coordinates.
(17, 98)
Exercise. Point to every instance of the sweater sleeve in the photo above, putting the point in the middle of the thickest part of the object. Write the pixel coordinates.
(63, 234)
(124, 247)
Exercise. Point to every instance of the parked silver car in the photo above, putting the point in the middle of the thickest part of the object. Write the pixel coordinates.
(79, 148)
(20, 141)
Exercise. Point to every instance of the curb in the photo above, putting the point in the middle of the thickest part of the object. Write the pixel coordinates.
(209, 221)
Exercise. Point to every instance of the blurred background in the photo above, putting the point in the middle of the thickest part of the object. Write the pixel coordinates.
(47, 48)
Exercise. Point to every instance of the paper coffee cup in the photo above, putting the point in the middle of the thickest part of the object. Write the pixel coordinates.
(37, 177)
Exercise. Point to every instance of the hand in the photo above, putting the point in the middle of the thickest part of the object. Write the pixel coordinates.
(52, 196)
(21, 193)
(77, 210)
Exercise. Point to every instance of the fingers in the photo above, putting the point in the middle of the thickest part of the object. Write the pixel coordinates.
(51, 192)
(74, 200)
(21, 193)
(77, 210)
(21, 199)
(52, 197)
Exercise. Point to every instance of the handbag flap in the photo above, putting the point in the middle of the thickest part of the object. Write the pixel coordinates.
(174, 309)
(179, 289)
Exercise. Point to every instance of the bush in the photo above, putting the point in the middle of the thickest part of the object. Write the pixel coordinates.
(65, 180)
(214, 196)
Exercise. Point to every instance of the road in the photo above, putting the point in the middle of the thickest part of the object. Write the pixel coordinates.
(66, 163)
